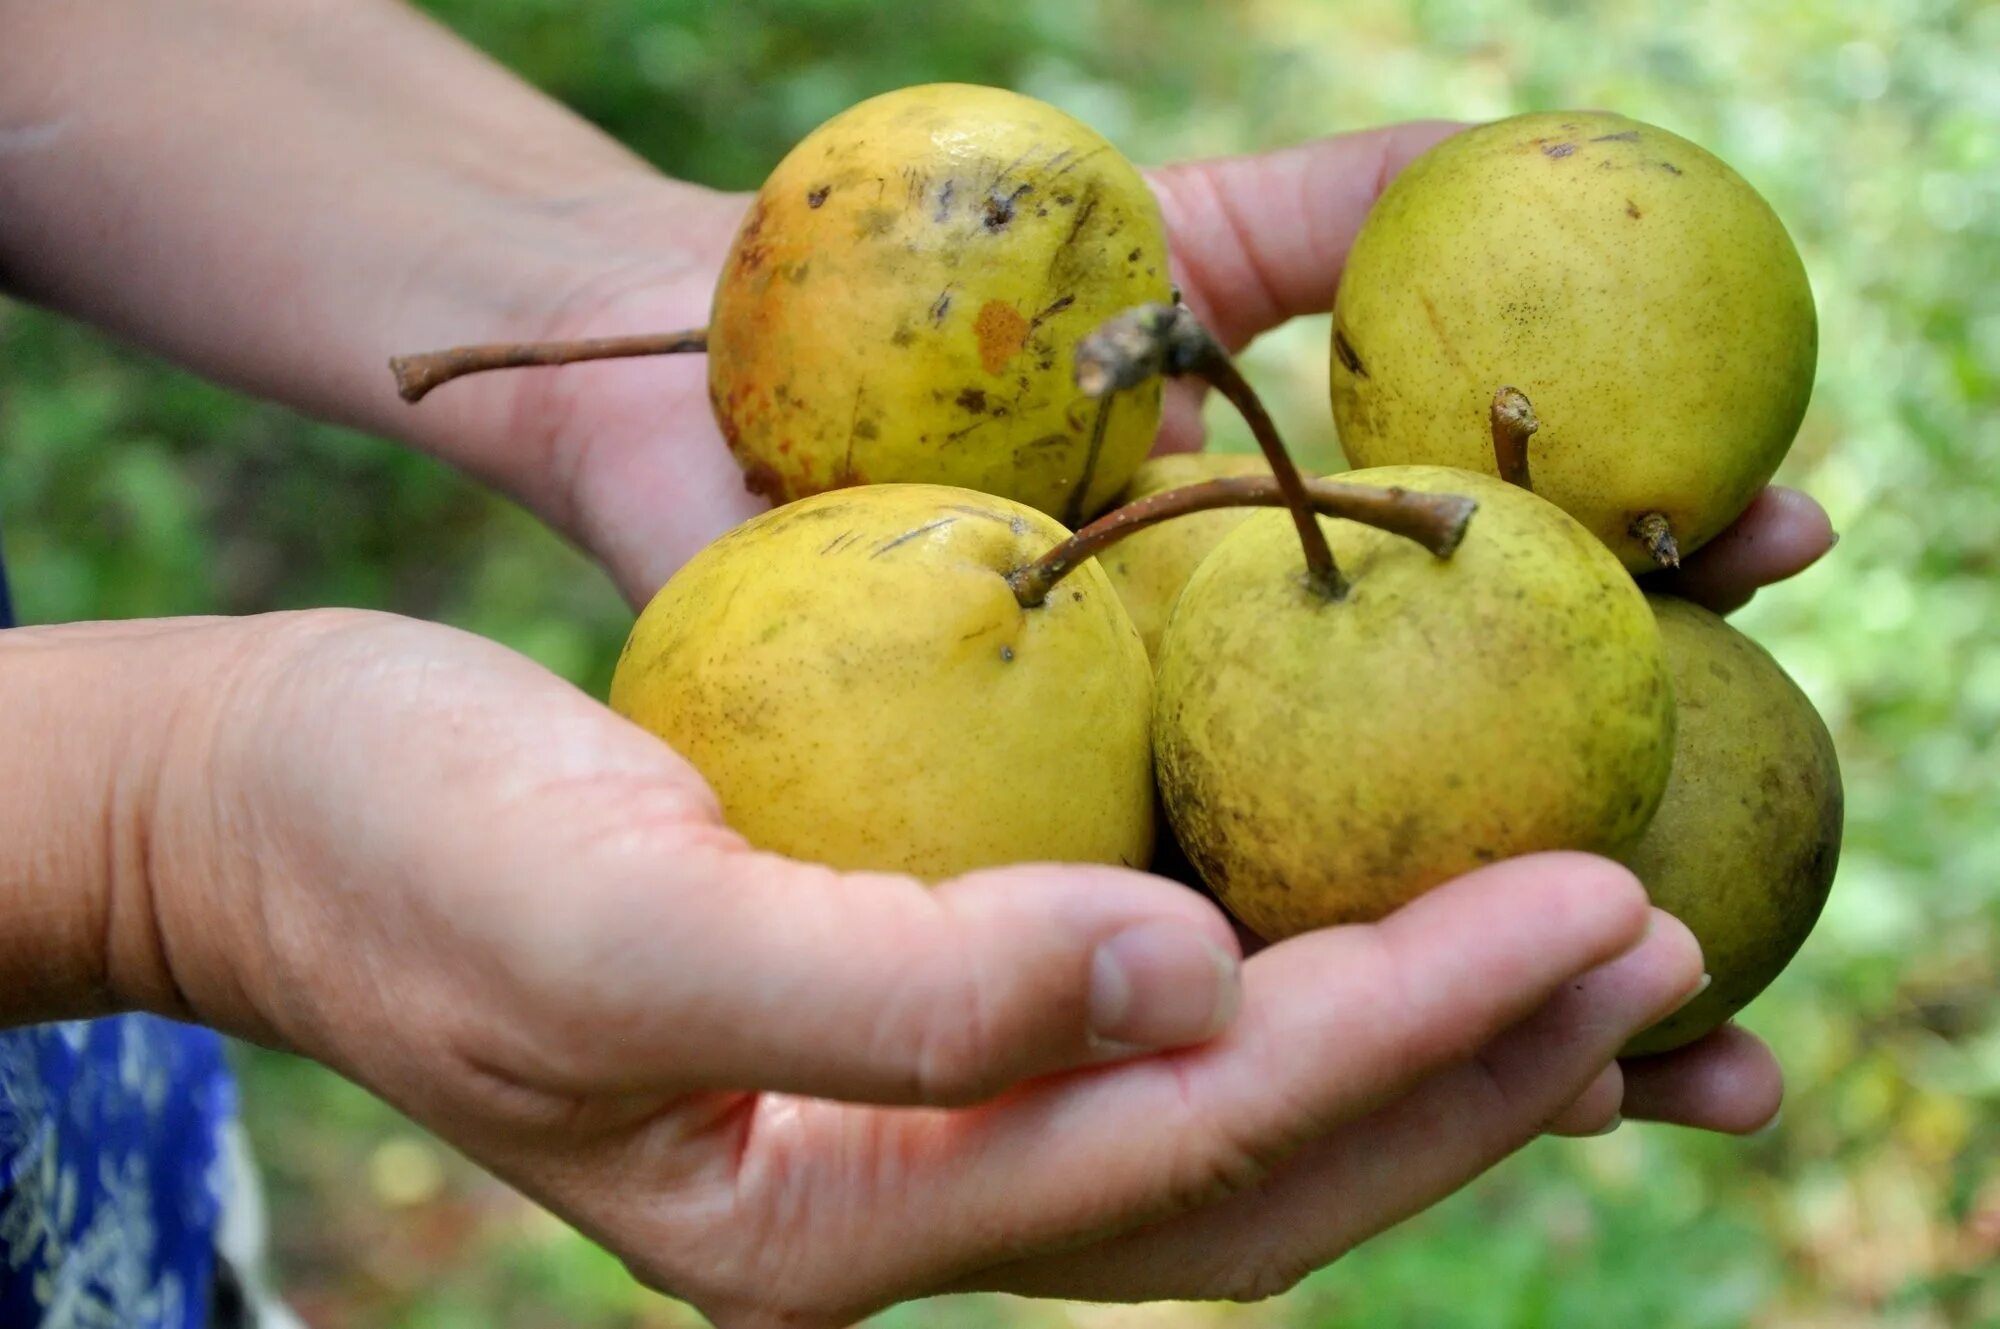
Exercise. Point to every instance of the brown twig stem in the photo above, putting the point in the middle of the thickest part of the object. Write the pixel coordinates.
(416, 375)
(1514, 423)
(1167, 339)
(1435, 521)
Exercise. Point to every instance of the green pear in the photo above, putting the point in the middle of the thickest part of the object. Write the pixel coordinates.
(1149, 568)
(856, 679)
(1642, 294)
(1325, 757)
(1744, 845)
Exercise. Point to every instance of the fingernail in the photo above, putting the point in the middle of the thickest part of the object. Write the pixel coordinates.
(1770, 1127)
(1161, 985)
(1617, 1120)
(1696, 991)
(1832, 539)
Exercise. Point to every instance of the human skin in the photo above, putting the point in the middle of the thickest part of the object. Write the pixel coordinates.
(429, 864)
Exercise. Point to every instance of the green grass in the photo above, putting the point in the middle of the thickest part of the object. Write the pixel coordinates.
(129, 489)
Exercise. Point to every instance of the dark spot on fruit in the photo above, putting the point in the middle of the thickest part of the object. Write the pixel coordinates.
(1624, 136)
(972, 399)
(908, 536)
(818, 196)
(762, 480)
(1558, 150)
(944, 200)
(1076, 596)
(875, 222)
(1670, 168)
(941, 306)
(1632, 210)
(1064, 200)
(1000, 211)
(1063, 303)
(867, 430)
(1007, 654)
(797, 272)
(1133, 257)
(1345, 350)
(902, 336)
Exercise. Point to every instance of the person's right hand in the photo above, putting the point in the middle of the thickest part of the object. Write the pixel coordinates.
(791, 1095)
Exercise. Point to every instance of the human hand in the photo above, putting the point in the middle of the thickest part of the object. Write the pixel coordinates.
(789, 1094)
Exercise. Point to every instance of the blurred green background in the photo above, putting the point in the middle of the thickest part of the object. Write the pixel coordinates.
(1873, 126)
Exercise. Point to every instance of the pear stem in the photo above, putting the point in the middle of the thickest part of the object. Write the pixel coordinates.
(416, 375)
(1514, 423)
(1435, 521)
(1168, 339)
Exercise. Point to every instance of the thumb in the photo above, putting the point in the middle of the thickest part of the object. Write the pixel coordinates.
(1260, 239)
(782, 976)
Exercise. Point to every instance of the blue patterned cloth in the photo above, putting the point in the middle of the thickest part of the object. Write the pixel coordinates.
(111, 1169)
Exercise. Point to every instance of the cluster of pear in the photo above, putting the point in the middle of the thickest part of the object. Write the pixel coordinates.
(979, 628)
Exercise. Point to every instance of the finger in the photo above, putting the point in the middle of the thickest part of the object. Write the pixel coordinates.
(1727, 1082)
(1597, 1110)
(758, 973)
(1334, 1024)
(1781, 534)
(1398, 1161)
(1260, 239)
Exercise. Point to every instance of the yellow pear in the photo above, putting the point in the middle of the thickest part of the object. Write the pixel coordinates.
(1641, 293)
(1324, 760)
(856, 680)
(1744, 846)
(1149, 568)
(903, 301)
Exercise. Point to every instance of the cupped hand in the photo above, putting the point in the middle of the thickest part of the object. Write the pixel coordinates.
(794, 1096)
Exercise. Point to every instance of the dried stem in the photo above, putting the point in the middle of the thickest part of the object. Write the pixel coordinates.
(1167, 339)
(1514, 423)
(416, 375)
(1653, 530)
(1435, 521)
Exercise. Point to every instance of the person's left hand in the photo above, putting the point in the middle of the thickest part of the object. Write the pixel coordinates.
(628, 459)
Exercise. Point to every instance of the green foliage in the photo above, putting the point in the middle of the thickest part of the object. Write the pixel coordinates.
(129, 489)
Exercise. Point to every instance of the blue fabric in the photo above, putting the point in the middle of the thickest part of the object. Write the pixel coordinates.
(111, 1169)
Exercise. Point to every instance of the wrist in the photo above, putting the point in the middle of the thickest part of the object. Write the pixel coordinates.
(104, 715)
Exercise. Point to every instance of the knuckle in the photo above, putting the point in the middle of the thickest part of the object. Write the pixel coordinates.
(954, 1047)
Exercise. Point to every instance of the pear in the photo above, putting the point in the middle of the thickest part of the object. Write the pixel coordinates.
(903, 301)
(1642, 294)
(1745, 842)
(1148, 569)
(1325, 757)
(853, 675)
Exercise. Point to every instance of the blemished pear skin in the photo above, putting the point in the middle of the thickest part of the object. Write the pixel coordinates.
(854, 677)
(1745, 842)
(903, 301)
(1149, 569)
(1641, 293)
(902, 304)
(1325, 760)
